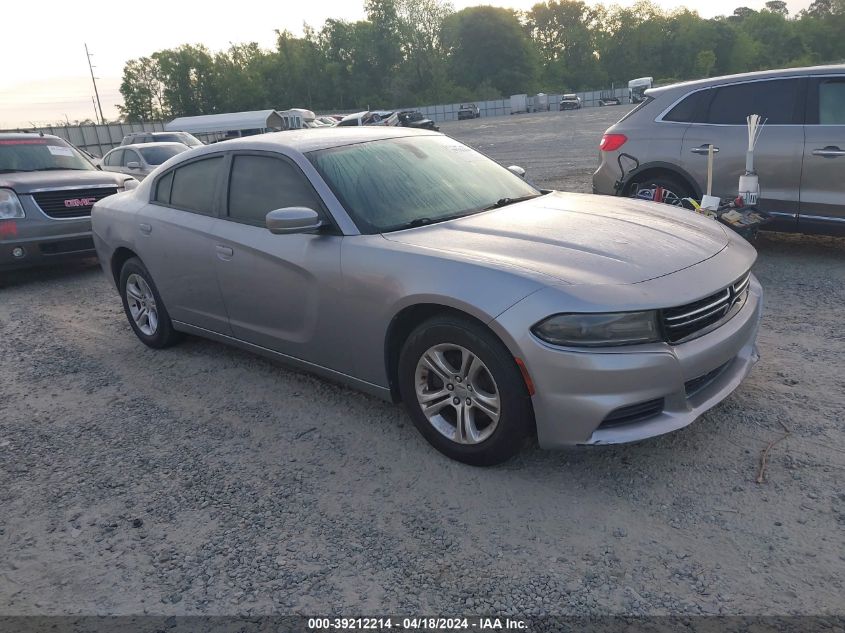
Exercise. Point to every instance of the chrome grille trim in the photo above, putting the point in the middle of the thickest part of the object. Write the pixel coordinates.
(685, 322)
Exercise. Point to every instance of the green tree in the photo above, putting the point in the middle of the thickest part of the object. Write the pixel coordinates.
(489, 44)
(142, 91)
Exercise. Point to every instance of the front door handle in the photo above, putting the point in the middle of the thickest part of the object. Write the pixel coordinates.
(224, 252)
(146, 229)
(831, 151)
(704, 150)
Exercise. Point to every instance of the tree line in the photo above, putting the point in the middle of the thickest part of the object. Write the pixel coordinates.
(422, 51)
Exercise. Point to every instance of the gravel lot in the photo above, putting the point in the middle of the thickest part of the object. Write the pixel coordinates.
(202, 479)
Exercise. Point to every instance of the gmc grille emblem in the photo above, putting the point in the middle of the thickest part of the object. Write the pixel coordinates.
(80, 202)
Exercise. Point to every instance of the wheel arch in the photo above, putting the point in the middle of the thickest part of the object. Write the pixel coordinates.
(651, 170)
(120, 256)
(406, 320)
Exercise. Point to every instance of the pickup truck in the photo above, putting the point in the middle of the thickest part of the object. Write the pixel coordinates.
(47, 189)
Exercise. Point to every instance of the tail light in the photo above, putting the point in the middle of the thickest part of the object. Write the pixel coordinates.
(612, 142)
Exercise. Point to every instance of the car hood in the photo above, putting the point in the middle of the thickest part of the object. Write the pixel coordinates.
(27, 181)
(578, 238)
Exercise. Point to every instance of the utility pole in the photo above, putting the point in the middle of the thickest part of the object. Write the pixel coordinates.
(94, 81)
(95, 107)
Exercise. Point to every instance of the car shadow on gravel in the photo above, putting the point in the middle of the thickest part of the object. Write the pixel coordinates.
(48, 274)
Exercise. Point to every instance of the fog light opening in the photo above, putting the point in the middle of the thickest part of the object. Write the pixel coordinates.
(18, 252)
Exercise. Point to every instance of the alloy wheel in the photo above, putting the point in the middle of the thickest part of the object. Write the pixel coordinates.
(457, 393)
(142, 304)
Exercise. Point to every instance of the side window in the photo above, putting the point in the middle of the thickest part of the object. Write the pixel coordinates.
(194, 185)
(775, 100)
(165, 183)
(130, 155)
(691, 109)
(260, 184)
(831, 101)
(114, 158)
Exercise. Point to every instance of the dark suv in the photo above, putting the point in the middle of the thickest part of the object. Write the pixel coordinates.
(47, 189)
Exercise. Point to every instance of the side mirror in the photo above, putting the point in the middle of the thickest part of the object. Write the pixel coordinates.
(516, 169)
(98, 166)
(293, 220)
(133, 164)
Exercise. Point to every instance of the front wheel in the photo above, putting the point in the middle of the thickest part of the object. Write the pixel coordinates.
(464, 391)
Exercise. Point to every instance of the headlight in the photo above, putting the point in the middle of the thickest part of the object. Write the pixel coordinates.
(10, 206)
(595, 330)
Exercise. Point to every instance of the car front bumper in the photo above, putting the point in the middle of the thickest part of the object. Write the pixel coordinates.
(33, 241)
(579, 391)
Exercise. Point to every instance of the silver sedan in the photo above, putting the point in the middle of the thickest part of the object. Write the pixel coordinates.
(140, 159)
(414, 268)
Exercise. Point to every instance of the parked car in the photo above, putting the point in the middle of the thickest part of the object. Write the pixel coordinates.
(800, 155)
(570, 102)
(415, 119)
(379, 117)
(161, 137)
(608, 99)
(47, 189)
(141, 159)
(468, 111)
(410, 266)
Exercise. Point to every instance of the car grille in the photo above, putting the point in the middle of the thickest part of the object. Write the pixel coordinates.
(695, 319)
(71, 203)
(633, 413)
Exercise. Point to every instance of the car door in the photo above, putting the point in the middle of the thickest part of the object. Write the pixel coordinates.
(113, 161)
(823, 174)
(777, 156)
(282, 292)
(176, 244)
(132, 156)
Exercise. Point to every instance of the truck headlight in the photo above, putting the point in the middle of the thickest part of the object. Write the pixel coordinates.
(597, 330)
(10, 205)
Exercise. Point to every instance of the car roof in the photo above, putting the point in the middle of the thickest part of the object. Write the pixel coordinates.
(760, 74)
(313, 139)
(153, 144)
(11, 136)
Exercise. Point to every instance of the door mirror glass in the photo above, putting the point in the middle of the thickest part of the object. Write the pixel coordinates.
(516, 169)
(293, 220)
(133, 164)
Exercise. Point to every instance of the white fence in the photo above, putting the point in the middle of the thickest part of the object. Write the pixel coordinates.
(501, 107)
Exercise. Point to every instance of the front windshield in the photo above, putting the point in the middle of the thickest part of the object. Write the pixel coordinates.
(157, 155)
(40, 153)
(392, 184)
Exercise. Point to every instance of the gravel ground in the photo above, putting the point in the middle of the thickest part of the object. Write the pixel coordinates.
(204, 480)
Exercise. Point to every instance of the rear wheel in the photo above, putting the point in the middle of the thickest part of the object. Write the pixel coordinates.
(672, 190)
(144, 308)
(464, 391)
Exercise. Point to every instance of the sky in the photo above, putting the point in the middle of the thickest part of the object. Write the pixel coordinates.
(45, 77)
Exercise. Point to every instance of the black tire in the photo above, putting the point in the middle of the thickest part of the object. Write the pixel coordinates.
(163, 335)
(676, 186)
(516, 415)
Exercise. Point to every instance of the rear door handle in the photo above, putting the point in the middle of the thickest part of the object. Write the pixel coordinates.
(146, 229)
(704, 150)
(831, 151)
(224, 252)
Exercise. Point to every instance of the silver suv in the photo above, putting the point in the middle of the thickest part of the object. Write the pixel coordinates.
(800, 156)
(185, 138)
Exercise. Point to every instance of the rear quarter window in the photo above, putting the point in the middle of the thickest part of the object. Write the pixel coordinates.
(691, 109)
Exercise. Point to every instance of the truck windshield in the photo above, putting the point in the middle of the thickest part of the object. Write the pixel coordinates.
(40, 154)
(399, 183)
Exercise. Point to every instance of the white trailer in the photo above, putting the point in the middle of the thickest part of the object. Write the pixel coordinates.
(519, 104)
(637, 88)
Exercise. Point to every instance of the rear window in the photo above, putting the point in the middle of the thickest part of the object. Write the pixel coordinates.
(774, 100)
(40, 153)
(691, 109)
(194, 185)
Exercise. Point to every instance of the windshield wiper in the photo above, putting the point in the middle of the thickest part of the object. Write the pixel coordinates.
(503, 202)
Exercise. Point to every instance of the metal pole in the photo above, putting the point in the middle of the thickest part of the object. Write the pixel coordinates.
(95, 107)
(94, 81)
